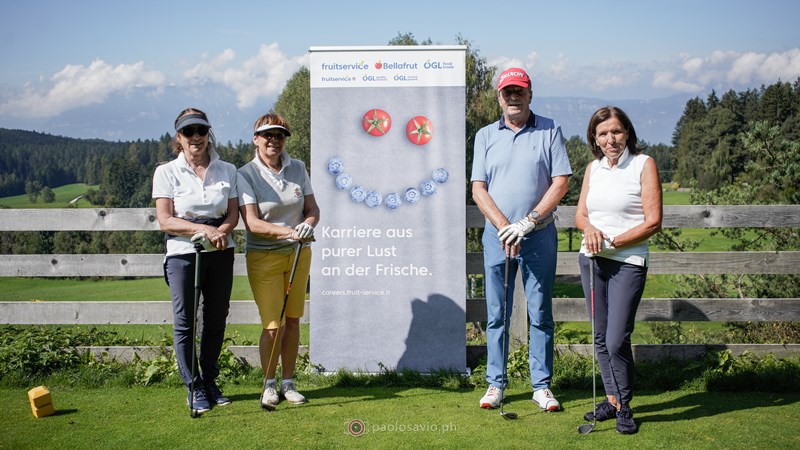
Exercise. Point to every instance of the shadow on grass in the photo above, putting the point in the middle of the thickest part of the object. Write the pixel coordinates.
(707, 404)
(343, 387)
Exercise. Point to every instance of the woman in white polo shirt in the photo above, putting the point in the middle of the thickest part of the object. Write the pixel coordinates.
(619, 209)
(279, 210)
(196, 194)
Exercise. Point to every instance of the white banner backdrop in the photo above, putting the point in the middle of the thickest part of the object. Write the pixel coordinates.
(388, 283)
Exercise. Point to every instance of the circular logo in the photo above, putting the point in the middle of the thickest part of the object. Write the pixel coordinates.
(356, 427)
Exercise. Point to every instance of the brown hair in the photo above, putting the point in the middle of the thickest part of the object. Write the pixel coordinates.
(600, 116)
(271, 119)
(176, 145)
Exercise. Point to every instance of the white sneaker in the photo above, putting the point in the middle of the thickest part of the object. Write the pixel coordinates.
(545, 399)
(493, 397)
(291, 395)
(269, 396)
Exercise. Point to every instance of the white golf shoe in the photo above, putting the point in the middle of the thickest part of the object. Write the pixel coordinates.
(546, 400)
(493, 397)
(289, 392)
(269, 397)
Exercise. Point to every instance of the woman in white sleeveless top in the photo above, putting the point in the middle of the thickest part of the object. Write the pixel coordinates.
(620, 207)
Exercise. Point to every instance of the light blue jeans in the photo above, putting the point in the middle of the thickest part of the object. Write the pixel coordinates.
(537, 264)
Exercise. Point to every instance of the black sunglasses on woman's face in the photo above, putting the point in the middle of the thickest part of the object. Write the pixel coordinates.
(191, 130)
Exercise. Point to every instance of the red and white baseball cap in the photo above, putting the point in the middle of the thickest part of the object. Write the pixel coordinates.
(513, 76)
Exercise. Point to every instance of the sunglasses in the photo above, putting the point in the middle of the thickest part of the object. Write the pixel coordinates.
(274, 136)
(191, 130)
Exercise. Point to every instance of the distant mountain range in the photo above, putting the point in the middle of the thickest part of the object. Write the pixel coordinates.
(654, 120)
(137, 115)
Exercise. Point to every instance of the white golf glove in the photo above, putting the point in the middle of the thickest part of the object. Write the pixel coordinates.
(512, 234)
(202, 239)
(304, 231)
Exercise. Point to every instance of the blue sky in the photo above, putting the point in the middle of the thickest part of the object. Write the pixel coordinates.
(58, 57)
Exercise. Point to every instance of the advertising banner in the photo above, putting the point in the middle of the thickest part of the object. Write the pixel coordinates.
(388, 283)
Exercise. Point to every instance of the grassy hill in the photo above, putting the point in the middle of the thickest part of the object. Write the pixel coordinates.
(64, 195)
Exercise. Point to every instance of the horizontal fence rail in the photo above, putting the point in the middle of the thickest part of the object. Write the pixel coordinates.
(245, 311)
(564, 309)
(150, 265)
(144, 219)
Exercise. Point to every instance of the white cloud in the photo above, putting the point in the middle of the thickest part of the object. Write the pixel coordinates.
(692, 65)
(724, 70)
(502, 63)
(261, 76)
(667, 80)
(561, 67)
(759, 67)
(603, 82)
(533, 58)
(76, 86)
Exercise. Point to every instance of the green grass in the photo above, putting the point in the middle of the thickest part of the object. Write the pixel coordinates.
(241, 334)
(145, 289)
(64, 194)
(672, 197)
(394, 417)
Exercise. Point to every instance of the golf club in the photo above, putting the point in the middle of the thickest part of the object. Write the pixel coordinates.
(587, 428)
(198, 247)
(299, 247)
(503, 414)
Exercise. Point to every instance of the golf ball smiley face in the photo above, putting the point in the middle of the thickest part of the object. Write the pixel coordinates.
(377, 122)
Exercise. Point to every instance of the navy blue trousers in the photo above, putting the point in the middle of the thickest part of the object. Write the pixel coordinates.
(618, 289)
(216, 281)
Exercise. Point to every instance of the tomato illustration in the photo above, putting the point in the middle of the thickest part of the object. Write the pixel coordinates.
(419, 130)
(376, 122)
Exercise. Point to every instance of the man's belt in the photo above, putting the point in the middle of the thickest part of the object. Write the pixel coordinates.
(545, 222)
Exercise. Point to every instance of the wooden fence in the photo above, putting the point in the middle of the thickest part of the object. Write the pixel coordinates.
(564, 309)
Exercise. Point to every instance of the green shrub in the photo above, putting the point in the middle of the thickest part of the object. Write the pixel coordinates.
(36, 351)
(31, 355)
(750, 373)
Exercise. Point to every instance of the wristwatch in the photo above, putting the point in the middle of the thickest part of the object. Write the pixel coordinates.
(534, 217)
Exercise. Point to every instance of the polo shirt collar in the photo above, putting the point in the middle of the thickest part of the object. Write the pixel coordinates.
(531, 123)
(284, 162)
(622, 158)
(212, 156)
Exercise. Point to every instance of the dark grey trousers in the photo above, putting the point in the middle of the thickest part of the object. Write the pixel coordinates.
(216, 281)
(618, 288)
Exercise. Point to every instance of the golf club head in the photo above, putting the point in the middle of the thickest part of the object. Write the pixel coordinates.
(586, 428)
(268, 408)
(508, 415)
(194, 413)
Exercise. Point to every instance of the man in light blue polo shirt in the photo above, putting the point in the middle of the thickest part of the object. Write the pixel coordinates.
(520, 172)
